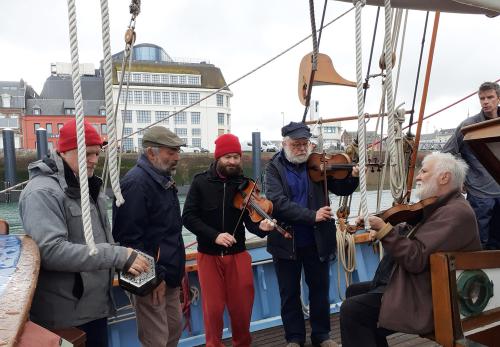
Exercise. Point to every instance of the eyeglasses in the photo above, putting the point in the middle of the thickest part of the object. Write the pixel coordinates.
(298, 145)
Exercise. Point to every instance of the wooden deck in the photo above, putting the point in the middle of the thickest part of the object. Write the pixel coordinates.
(274, 337)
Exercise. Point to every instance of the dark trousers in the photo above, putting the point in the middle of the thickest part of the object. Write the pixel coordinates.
(487, 212)
(317, 278)
(97, 332)
(359, 318)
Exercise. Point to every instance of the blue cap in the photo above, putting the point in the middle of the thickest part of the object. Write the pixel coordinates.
(296, 130)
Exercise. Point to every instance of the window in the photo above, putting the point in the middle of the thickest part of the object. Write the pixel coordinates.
(102, 111)
(96, 127)
(194, 97)
(147, 97)
(194, 80)
(136, 77)
(180, 118)
(196, 132)
(220, 100)
(174, 79)
(69, 111)
(36, 126)
(184, 98)
(166, 98)
(175, 98)
(220, 118)
(127, 116)
(165, 79)
(161, 116)
(48, 127)
(330, 130)
(123, 97)
(104, 129)
(155, 78)
(127, 131)
(157, 98)
(181, 131)
(37, 111)
(182, 79)
(59, 126)
(139, 142)
(196, 142)
(146, 78)
(143, 116)
(130, 97)
(127, 144)
(137, 97)
(227, 100)
(195, 117)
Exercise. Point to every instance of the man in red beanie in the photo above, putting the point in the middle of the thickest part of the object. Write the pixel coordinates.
(224, 265)
(74, 288)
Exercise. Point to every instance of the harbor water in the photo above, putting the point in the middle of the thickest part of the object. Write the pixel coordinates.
(10, 211)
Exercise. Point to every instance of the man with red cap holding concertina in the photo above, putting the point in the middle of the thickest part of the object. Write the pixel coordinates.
(224, 265)
(74, 288)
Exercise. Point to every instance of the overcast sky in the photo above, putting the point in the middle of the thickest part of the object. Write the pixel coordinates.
(238, 35)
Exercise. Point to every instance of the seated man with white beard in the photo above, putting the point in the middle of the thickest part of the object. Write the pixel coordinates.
(399, 298)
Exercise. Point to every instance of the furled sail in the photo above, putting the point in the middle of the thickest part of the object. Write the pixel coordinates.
(490, 8)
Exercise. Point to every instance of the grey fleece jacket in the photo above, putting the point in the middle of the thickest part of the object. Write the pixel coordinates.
(73, 287)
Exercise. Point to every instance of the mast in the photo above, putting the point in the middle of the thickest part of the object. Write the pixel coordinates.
(411, 169)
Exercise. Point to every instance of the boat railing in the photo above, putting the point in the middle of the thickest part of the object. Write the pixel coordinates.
(464, 315)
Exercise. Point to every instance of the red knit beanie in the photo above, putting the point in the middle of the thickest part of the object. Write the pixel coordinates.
(227, 143)
(67, 136)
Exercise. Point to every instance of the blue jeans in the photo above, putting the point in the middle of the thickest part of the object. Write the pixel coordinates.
(487, 212)
(318, 281)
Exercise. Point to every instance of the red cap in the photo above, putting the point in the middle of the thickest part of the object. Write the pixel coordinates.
(227, 143)
(67, 136)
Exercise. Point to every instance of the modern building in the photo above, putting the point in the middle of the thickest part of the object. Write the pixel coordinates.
(56, 104)
(372, 137)
(160, 88)
(13, 97)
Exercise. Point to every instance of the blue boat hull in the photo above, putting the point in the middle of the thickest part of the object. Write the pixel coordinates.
(266, 307)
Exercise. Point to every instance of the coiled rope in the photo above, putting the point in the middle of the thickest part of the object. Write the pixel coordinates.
(80, 127)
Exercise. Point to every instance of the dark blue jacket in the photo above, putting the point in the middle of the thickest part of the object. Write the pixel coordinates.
(289, 212)
(150, 220)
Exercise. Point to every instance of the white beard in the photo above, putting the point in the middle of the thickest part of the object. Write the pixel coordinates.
(424, 191)
(297, 159)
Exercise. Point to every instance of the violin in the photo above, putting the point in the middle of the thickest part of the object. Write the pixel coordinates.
(411, 214)
(338, 166)
(259, 208)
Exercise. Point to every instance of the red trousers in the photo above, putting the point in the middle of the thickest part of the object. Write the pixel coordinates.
(226, 280)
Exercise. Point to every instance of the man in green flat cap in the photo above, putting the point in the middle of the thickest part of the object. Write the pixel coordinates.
(150, 221)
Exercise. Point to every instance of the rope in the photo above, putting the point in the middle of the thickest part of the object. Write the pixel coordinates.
(112, 148)
(346, 253)
(361, 115)
(82, 148)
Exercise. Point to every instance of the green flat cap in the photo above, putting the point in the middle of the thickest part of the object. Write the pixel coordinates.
(160, 136)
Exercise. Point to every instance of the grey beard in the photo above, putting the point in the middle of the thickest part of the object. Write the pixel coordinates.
(296, 159)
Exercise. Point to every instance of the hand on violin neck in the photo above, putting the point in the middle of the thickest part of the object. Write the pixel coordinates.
(376, 223)
(324, 213)
(225, 239)
(267, 225)
(355, 171)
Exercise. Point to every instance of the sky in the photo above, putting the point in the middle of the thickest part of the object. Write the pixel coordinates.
(237, 36)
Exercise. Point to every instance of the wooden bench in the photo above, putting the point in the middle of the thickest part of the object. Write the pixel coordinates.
(449, 327)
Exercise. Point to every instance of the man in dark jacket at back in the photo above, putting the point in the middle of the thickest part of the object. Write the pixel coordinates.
(224, 265)
(300, 202)
(150, 221)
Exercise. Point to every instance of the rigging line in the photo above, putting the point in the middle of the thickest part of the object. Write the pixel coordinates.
(241, 77)
(371, 54)
(321, 25)
(412, 111)
(400, 60)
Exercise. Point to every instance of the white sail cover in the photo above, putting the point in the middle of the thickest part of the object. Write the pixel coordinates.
(490, 8)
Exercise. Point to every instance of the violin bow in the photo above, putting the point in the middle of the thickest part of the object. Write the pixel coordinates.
(325, 182)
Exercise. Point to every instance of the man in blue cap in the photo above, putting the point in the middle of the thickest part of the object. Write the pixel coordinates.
(300, 202)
